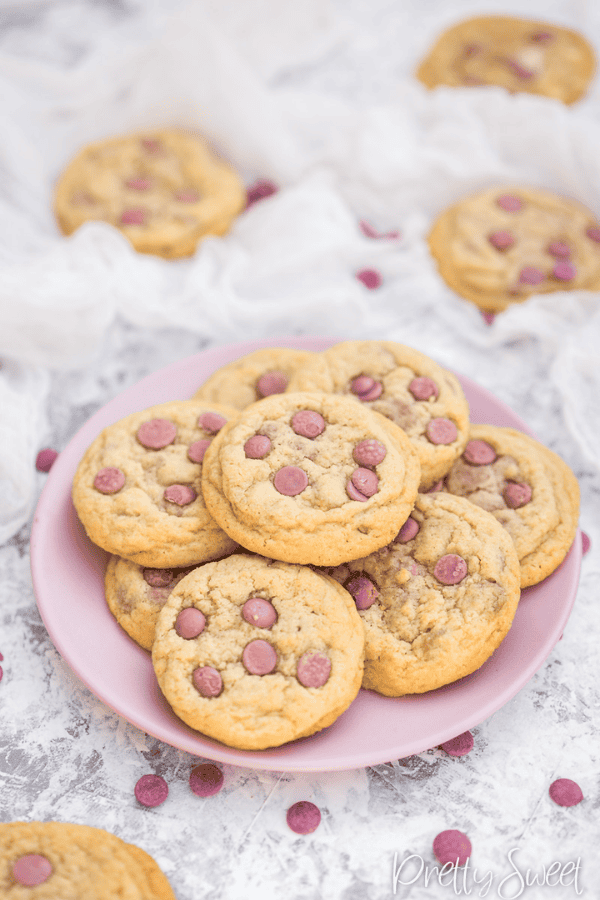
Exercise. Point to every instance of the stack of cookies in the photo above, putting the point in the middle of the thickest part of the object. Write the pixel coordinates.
(310, 523)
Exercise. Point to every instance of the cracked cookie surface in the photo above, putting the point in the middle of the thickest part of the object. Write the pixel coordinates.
(310, 478)
(438, 600)
(164, 190)
(521, 55)
(402, 384)
(501, 245)
(64, 861)
(255, 653)
(138, 488)
(527, 487)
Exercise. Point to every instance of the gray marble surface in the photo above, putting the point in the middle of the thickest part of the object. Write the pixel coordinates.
(65, 756)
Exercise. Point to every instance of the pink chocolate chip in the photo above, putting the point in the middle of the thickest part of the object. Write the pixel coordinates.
(531, 275)
(158, 577)
(135, 216)
(585, 546)
(409, 530)
(435, 487)
(441, 431)
(197, 450)
(510, 203)
(45, 459)
(308, 423)
(371, 232)
(211, 421)
(371, 278)
(180, 494)
(151, 790)
(156, 433)
(151, 145)
(259, 657)
(501, 240)
(541, 37)
(259, 190)
(187, 195)
(593, 232)
(272, 383)
(190, 623)
(109, 480)
(313, 669)
(559, 249)
(460, 745)
(452, 847)
(564, 271)
(206, 780)
(517, 494)
(1, 673)
(257, 446)
(450, 569)
(207, 681)
(258, 611)
(565, 792)
(362, 590)
(518, 69)
(423, 388)
(138, 184)
(488, 317)
(290, 481)
(369, 452)
(479, 453)
(365, 481)
(303, 817)
(31, 870)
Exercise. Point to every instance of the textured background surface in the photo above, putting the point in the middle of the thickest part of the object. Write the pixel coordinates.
(338, 70)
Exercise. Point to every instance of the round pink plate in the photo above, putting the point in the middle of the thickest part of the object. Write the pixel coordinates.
(68, 578)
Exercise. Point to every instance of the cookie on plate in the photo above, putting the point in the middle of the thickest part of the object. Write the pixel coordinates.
(63, 861)
(405, 386)
(501, 245)
(254, 376)
(164, 190)
(137, 490)
(255, 653)
(520, 55)
(136, 594)
(310, 478)
(527, 487)
(438, 600)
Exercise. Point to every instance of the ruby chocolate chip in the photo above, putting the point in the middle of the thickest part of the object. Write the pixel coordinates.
(593, 232)
(159, 578)
(259, 657)
(290, 481)
(362, 590)
(371, 278)
(197, 450)
(45, 459)
(565, 792)
(133, 217)
(257, 447)
(138, 184)
(211, 422)
(151, 790)
(308, 423)
(180, 494)
(441, 431)
(156, 434)
(559, 249)
(366, 388)
(190, 623)
(531, 275)
(510, 203)
(259, 612)
(187, 195)
(460, 745)
(259, 191)
(501, 240)
(369, 452)
(313, 669)
(365, 484)
(303, 817)
(272, 383)
(479, 453)
(109, 480)
(206, 780)
(564, 271)
(409, 530)
(450, 569)
(423, 388)
(31, 870)
(207, 681)
(517, 494)
(452, 847)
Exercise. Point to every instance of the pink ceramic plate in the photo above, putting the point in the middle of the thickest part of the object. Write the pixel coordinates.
(68, 577)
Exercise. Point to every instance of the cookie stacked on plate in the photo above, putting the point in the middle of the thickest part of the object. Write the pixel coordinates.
(310, 523)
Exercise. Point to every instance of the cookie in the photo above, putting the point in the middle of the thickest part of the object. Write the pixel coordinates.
(501, 245)
(438, 600)
(164, 190)
(528, 489)
(310, 478)
(255, 653)
(252, 377)
(137, 490)
(136, 594)
(405, 386)
(521, 55)
(63, 861)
